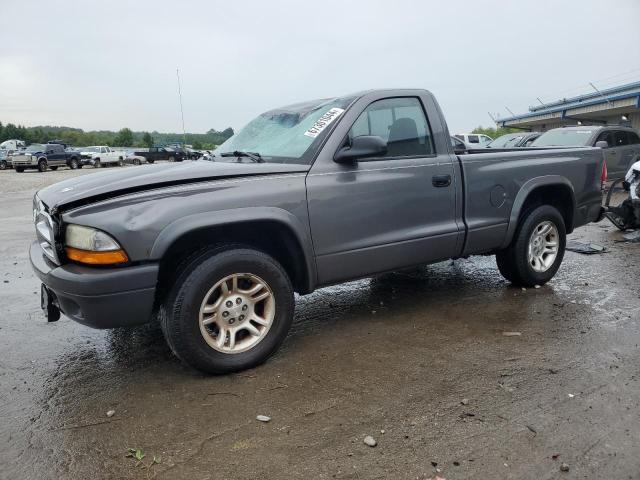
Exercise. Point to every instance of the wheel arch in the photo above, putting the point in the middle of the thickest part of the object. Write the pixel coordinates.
(271, 230)
(554, 190)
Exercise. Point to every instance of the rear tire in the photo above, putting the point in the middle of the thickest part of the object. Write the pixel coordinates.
(42, 166)
(197, 344)
(520, 263)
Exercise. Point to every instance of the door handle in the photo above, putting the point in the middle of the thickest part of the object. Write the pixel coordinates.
(441, 180)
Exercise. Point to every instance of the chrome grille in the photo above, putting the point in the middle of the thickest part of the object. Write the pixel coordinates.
(45, 228)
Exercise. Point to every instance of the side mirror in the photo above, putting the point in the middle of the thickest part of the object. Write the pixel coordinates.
(460, 151)
(602, 144)
(361, 147)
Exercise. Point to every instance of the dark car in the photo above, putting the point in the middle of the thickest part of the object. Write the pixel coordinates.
(622, 147)
(162, 153)
(514, 140)
(459, 147)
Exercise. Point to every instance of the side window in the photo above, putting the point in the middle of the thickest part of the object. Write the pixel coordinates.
(633, 138)
(620, 138)
(473, 139)
(401, 122)
(607, 137)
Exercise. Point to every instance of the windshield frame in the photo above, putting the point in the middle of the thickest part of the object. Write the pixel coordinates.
(322, 106)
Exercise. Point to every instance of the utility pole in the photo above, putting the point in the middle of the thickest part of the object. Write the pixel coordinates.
(184, 134)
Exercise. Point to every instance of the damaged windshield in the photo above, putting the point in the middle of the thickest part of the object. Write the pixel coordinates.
(284, 135)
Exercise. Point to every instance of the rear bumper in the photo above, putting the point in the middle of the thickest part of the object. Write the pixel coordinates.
(99, 298)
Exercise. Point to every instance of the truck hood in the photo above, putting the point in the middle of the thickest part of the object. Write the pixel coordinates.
(108, 184)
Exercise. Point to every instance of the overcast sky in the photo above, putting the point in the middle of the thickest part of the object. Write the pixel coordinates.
(111, 64)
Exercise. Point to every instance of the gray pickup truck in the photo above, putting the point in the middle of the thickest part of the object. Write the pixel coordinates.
(304, 196)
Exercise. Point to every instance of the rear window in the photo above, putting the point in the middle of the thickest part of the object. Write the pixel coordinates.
(473, 139)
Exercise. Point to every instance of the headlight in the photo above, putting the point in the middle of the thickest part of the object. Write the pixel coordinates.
(92, 246)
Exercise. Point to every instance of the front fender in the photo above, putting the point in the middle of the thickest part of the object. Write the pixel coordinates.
(521, 197)
(199, 221)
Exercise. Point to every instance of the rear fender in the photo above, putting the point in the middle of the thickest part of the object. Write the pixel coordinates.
(526, 190)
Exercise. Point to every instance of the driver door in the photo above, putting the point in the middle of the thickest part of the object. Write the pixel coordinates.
(380, 214)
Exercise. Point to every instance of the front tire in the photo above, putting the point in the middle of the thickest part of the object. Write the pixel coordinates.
(73, 164)
(97, 163)
(240, 293)
(537, 248)
(42, 166)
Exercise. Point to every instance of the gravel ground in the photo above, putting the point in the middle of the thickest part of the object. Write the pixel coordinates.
(417, 360)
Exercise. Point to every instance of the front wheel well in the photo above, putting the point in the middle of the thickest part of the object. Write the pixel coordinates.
(558, 196)
(271, 237)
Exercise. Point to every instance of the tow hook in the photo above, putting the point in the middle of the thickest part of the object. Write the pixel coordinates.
(48, 304)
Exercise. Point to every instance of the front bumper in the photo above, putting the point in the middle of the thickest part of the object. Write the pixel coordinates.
(99, 298)
(24, 161)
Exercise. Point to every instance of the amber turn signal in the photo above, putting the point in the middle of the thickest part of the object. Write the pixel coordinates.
(97, 258)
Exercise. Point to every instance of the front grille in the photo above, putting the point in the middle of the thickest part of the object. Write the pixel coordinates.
(45, 230)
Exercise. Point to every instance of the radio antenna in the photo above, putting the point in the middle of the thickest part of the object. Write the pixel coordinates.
(184, 134)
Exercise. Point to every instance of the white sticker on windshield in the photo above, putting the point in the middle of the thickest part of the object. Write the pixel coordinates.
(323, 122)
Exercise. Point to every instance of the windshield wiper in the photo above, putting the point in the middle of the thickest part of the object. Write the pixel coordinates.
(237, 153)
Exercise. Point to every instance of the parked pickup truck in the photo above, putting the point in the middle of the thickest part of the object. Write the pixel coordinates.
(43, 156)
(162, 153)
(304, 196)
(101, 155)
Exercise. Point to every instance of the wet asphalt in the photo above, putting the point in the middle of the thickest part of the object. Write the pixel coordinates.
(420, 355)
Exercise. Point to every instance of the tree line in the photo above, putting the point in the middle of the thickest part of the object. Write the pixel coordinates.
(494, 132)
(125, 137)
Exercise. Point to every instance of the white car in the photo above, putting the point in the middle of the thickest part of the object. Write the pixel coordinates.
(100, 155)
(474, 140)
